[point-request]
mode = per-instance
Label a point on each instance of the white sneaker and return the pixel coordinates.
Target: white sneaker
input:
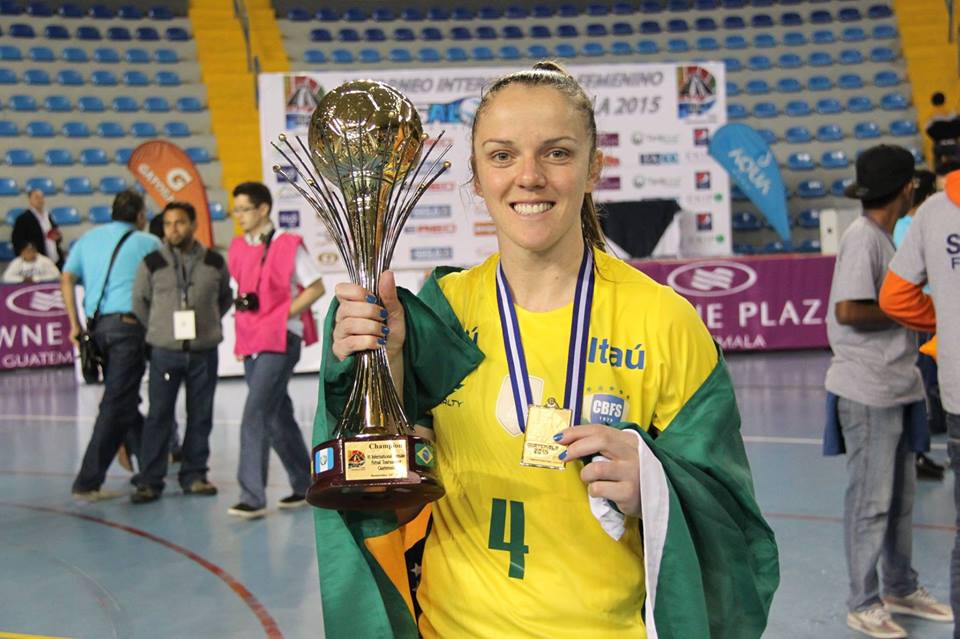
(93, 496)
(876, 622)
(920, 604)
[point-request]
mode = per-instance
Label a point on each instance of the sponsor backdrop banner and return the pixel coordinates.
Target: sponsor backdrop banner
(654, 124)
(34, 328)
(755, 303)
(167, 173)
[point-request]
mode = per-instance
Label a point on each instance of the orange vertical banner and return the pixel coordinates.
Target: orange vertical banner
(167, 173)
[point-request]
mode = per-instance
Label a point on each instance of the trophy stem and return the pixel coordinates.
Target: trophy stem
(373, 407)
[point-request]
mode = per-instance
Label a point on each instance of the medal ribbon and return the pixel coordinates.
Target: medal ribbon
(576, 352)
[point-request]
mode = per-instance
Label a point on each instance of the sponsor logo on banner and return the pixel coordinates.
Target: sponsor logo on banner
(441, 187)
(33, 301)
(287, 192)
(696, 200)
(288, 219)
(430, 211)
(481, 229)
(712, 279)
(302, 93)
(701, 180)
(701, 137)
(431, 253)
(457, 112)
(287, 174)
(34, 327)
(608, 183)
(704, 221)
(696, 91)
(641, 137)
(642, 181)
(430, 229)
(328, 258)
(695, 156)
(659, 159)
(605, 139)
(611, 161)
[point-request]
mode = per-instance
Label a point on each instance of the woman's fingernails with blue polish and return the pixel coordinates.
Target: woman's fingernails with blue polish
(386, 330)
(558, 437)
(371, 299)
(384, 313)
(563, 455)
(381, 341)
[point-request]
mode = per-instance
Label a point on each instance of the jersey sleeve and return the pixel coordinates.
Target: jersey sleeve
(858, 263)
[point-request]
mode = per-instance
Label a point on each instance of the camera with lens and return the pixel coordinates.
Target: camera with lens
(248, 302)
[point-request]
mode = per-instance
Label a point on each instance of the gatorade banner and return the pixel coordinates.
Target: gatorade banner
(751, 165)
(167, 173)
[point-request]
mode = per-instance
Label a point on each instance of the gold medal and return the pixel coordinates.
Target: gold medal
(543, 422)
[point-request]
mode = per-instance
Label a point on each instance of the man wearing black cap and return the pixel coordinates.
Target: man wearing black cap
(877, 387)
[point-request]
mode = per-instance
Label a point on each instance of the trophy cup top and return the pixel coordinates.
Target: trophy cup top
(362, 132)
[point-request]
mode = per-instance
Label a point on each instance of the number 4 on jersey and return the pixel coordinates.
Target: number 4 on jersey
(498, 540)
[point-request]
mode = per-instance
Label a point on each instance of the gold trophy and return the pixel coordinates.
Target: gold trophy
(364, 175)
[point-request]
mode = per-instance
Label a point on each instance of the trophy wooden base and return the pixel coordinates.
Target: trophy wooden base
(374, 473)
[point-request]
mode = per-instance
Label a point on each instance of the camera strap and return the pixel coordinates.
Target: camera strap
(103, 291)
(263, 259)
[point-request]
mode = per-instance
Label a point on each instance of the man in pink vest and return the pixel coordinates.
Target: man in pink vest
(277, 281)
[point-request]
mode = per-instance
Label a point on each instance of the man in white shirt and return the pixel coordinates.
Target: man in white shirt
(35, 226)
(30, 267)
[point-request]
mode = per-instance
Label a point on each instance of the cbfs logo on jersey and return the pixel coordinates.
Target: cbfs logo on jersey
(605, 408)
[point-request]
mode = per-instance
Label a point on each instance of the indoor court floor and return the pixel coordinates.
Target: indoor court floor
(181, 567)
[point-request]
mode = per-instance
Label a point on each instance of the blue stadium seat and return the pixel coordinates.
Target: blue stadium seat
(101, 12)
(88, 33)
(797, 135)
(821, 17)
(100, 214)
(597, 30)
(808, 219)
(400, 55)
(125, 104)
(167, 78)
(103, 78)
(829, 106)
(198, 154)
(879, 11)
(789, 85)
(850, 81)
(800, 162)
(797, 108)
(838, 186)
(314, 56)
(903, 128)
(94, 157)
(850, 56)
(156, 104)
(567, 31)
(538, 51)
(707, 43)
(10, 53)
(53, 32)
(147, 34)
(374, 34)
(884, 32)
(886, 78)
(110, 129)
(810, 189)
(765, 110)
(75, 55)
(619, 47)
(431, 33)
(165, 56)
(820, 59)
(757, 86)
(705, 24)
(176, 34)
(761, 21)
(9, 129)
(742, 248)
(160, 12)
(39, 10)
(791, 19)
(176, 129)
(348, 35)
(7, 76)
(326, 14)
(129, 12)
(733, 89)
(70, 11)
(122, 155)
(22, 103)
(777, 246)
(461, 33)
(428, 54)
(677, 45)
(40, 183)
(36, 77)
(733, 64)
(140, 56)
(461, 14)
(70, 78)
(512, 32)
(112, 184)
(834, 160)
(733, 22)
(457, 54)
(76, 130)
(764, 41)
(829, 133)
(58, 157)
(8, 186)
(355, 14)
(789, 61)
(564, 50)
(853, 34)
(745, 221)
(859, 104)
(40, 129)
(299, 14)
(849, 14)
(106, 55)
(706, 5)
(369, 56)
(143, 130)
(647, 47)
(43, 54)
(894, 102)
(384, 14)
(119, 34)
(20, 30)
(866, 130)
(6, 251)
(19, 157)
(57, 104)
(486, 32)
(759, 63)
(621, 29)
(735, 41)
(90, 104)
(823, 36)
(650, 27)
(65, 215)
(593, 49)
(320, 35)
(542, 11)
(404, 34)
(809, 246)
(736, 111)
(882, 54)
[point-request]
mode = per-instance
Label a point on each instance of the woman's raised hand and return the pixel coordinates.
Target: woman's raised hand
(362, 324)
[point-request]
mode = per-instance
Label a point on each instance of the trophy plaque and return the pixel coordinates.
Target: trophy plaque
(366, 167)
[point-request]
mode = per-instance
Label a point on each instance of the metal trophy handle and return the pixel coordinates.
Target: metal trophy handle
(366, 169)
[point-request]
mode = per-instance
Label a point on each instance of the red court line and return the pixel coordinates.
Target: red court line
(270, 627)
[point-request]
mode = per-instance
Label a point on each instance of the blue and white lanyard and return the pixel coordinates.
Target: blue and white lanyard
(576, 353)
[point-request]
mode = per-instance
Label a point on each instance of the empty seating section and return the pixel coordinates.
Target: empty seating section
(81, 88)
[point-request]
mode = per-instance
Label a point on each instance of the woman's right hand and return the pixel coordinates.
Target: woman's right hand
(361, 324)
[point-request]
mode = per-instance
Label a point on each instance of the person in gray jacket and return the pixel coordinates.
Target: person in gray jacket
(180, 294)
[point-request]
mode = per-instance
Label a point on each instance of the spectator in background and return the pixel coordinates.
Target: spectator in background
(930, 254)
(35, 226)
(117, 332)
(277, 281)
(180, 294)
(30, 266)
(874, 387)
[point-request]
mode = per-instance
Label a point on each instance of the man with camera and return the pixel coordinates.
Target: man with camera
(277, 282)
(104, 261)
(180, 294)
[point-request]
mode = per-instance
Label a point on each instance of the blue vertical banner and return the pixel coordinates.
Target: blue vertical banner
(748, 159)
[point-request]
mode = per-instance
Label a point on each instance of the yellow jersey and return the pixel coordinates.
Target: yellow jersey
(514, 551)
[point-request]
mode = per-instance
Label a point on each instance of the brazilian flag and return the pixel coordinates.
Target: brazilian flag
(711, 559)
